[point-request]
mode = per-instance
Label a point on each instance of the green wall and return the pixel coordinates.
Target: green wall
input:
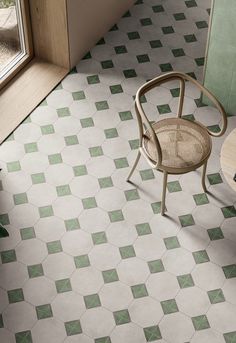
(220, 70)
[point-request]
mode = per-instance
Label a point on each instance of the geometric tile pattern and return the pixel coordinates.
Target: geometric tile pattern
(88, 257)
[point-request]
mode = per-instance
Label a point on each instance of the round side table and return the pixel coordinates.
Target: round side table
(228, 159)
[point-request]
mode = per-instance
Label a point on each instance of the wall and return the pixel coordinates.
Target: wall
(89, 20)
(220, 70)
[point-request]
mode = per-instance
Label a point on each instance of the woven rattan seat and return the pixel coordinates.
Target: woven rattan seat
(184, 144)
(174, 145)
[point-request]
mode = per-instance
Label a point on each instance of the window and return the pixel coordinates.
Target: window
(15, 43)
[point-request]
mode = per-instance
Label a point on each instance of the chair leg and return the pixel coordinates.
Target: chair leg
(134, 166)
(204, 177)
(163, 201)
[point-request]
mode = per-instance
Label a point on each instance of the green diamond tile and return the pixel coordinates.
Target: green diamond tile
(13, 166)
(167, 30)
(178, 52)
(200, 199)
(15, 295)
(115, 89)
(121, 49)
(54, 247)
(86, 122)
(101, 42)
(63, 190)
(121, 317)
(230, 271)
(96, 151)
(80, 170)
(179, 16)
(111, 133)
(47, 129)
(44, 311)
(72, 224)
(216, 296)
(147, 174)
(143, 229)
(127, 14)
(131, 194)
(190, 3)
(229, 211)
(214, 179)
(71, 140)
(185, 280)
(134, 144)
(190, 38)
(110, 275)
(171, 242)
(215, 233)
(213, 128)
(101, 105)
(125, 115)
(35, 270)
(201, 256)
(127, 251)
(73, 71)
(143, 58)
(92, 301)
(156, 266)
(78, 95)
(186, 220)
(10, 137)
(230, 337)
(73, 328)
(99, 237)
(155, 44)
(158, 8)
(169, 306)
(8, 256)
(156, 207)
(89, 203)
(4, 219)
(200, 61)
(38, 178)
(27, 233)
(174, 186)
(121, 162)
(202, 24)
(63, 285)
(116, 216)
(163, 109)
(133, 35)
(128, 73)
(58, 87)
(152, 333)
(189, 117)
(82, 261)
(43, 103)
(103, 340)
(46, 211)
(63, 112)
(200, 322)
(199, 103)
(139, 291)
(87, 56)
(55, 159)
(92, 79)
(1, 322)
(107, 64)
(105, 182)
(31, 147)
(23, 337)
(146, 21)
(175, 92)
(20, 198)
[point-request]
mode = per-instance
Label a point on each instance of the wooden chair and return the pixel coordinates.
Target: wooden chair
(175, 145)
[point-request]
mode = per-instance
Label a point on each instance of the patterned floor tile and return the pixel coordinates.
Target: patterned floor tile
(109, 268)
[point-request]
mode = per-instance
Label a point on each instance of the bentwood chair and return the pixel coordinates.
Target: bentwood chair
(175, 145)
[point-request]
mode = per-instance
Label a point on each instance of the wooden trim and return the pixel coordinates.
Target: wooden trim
(29, 87)
(28, 44)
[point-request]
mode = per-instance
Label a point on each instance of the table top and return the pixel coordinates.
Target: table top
(228, 159)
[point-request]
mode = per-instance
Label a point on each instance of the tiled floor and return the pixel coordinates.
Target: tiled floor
(89, 258)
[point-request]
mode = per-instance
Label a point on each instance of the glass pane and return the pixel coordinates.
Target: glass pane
(12, 47)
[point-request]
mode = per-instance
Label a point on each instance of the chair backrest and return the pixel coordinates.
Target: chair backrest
(143, 121)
